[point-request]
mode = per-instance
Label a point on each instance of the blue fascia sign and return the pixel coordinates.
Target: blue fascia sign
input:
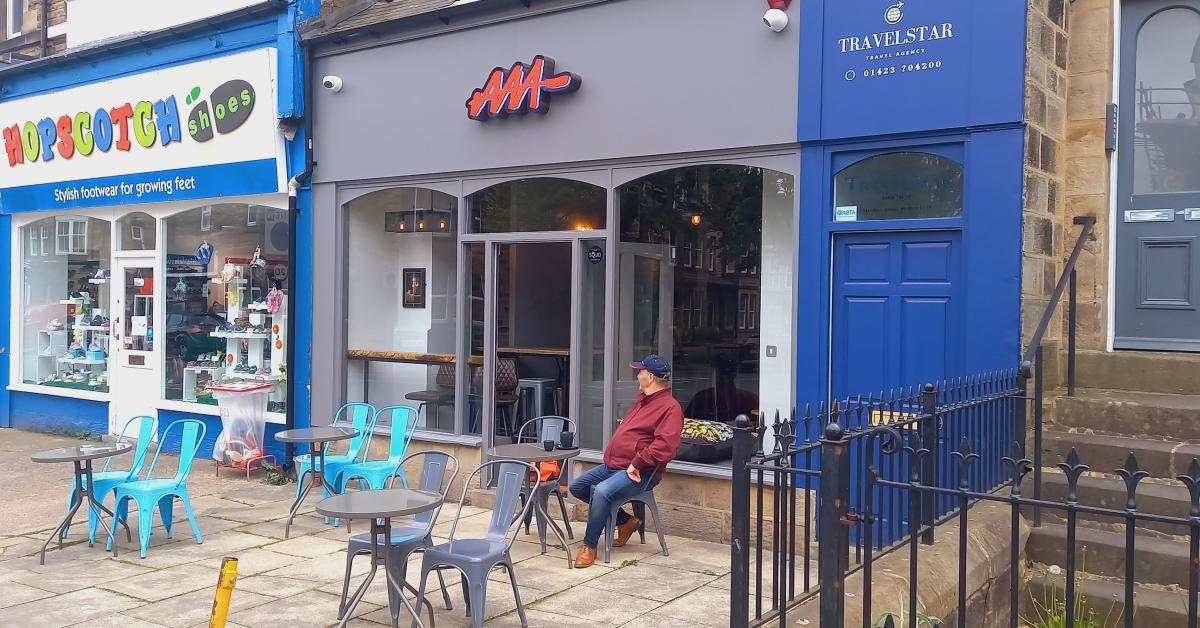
(899, 66)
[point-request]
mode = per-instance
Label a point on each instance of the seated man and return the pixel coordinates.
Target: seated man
(635, 458)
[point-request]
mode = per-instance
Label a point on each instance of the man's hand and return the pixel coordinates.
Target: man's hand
(634, 474)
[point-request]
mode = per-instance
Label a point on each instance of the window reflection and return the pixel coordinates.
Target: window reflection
(1167, 83)
(538, 204)
(896, 186)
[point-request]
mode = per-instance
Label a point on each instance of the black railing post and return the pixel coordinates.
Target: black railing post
(833, 526)
(1039, 367)
(1071, 336)
(739, 545)
(929, 436)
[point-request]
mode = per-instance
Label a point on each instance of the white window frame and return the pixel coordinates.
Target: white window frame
(13, 9)
(71, 224)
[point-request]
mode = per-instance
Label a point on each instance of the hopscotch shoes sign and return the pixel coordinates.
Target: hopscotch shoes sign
(200, 130)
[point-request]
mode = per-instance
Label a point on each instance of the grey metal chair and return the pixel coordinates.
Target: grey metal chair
(640, 503)
(407, 539)
(475, 558)
(546, 428)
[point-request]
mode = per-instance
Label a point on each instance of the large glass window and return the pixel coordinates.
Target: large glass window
(691, 243)
(136, 231)
(402, 301)
(64, 299)
(1166, 150)
(538, 204)
(226, 296)
(897, 186)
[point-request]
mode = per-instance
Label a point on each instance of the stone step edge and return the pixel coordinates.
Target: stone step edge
(1164, 605)
(1160, 551)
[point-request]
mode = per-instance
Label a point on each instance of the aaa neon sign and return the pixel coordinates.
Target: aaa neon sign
(520, 89)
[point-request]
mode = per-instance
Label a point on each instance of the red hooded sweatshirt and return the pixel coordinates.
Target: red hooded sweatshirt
(648, 436)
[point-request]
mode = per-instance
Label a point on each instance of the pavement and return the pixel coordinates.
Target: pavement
(297, 581)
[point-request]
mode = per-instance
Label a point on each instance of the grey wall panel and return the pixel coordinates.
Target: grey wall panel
(329, 306)
(659, 76)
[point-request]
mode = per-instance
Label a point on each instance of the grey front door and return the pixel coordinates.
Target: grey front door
(1158, 178)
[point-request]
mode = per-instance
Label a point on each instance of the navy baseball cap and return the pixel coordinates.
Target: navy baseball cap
(657, 366)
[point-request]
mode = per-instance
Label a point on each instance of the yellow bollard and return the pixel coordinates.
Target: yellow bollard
(225, 581)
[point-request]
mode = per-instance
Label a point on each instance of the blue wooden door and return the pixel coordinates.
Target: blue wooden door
(897, 310)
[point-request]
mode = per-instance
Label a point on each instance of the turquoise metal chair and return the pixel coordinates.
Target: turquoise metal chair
(374, 473)
(163, 491)
(359, 415)
(106, 479)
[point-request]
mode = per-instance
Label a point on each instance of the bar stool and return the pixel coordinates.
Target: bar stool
(537, 387)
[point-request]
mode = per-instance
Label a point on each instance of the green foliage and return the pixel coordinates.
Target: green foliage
(1051, 610)
(628, 563)
(901, 617)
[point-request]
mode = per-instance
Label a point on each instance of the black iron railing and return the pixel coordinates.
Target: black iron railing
(785, 474)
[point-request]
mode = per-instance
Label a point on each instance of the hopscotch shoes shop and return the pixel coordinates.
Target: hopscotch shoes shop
(149, 244)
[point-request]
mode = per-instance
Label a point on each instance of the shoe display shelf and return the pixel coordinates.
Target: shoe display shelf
(265, 351)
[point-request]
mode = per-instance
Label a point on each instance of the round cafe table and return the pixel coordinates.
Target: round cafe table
(379, 507)
(82, 456)
(316, 437)
(535, 453)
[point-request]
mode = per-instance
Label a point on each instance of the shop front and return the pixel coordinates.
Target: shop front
(515, 209)
(150, 246)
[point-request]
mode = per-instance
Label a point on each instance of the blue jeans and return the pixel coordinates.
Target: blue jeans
(601, 488)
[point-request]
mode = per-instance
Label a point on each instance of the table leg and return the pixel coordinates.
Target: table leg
(352, 603)
(79, 497)
(395, 588)
(312, 456)
(97, 508)
(541, 513)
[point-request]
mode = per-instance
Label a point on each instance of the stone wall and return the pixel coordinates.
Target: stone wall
(58, 15)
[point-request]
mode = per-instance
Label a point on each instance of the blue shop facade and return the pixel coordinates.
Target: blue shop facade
(912, 151)
(154, 227)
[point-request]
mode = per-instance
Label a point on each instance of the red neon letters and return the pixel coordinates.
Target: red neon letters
(519, 90)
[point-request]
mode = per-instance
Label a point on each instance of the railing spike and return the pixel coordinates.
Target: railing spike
(1191, 479)
(1073, 470)
(1132, 475)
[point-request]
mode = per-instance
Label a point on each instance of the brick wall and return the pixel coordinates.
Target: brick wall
(57, 15)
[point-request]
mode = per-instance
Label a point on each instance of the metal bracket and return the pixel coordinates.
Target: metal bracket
(1110, 127)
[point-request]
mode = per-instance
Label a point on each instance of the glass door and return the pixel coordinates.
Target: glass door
(135, 365)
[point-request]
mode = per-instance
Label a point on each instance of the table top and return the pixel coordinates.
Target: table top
(395, 502)
(82, 452)
(316, 434)
(531, 452)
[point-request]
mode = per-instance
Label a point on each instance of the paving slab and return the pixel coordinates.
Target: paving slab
(75, 607)
(549, 573)
(306, 546)
(13, 593)
(500, 601)
(164, 583)
(604, 608)
(654, 582)
(195, 607)
(313, 608)
(252, 561)
(696, 608)
(74, 577)
(688, 555)
(120, 620)
(275, 586)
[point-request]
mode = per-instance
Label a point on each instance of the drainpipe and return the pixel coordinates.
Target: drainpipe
(293, 214)
(43, 28)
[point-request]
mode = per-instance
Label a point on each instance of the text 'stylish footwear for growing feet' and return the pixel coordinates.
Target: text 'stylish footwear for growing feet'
(626, 530)
(586, 557)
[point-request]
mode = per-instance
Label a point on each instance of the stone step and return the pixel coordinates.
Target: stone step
(1156, 415)
(1106, 452)
(1139, 371)
(1167, 499)
(1153, 606)
(1100, 552)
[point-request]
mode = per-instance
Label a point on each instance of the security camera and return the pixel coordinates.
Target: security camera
(775, 19)
(334, 83)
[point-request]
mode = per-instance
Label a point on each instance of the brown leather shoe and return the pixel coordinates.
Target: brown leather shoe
(586, 557)
(626, 530)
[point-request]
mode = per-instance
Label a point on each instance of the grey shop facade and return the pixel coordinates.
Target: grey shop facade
(513, 207)
(514, 200)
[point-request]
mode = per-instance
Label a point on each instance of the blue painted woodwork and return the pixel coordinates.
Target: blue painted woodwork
(53, 413)
(897, 309)
(877, 67)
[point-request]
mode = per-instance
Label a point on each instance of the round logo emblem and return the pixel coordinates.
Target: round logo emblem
(894, 13)
(595, 255)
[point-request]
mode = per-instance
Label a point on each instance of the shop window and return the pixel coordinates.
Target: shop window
(226, 300)
(402, 300)
(136, 232)
(707, 323)
(898, 186)
(64, 303)
(1166, 157)
(538, 204)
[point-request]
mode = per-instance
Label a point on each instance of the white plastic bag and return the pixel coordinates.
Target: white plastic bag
(243, 422)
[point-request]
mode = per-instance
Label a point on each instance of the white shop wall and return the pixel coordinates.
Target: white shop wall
(777, 291)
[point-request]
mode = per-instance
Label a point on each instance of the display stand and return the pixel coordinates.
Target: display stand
(243, 425)
(54, 359)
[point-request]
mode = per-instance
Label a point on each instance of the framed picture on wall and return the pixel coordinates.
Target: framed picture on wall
(414, 287)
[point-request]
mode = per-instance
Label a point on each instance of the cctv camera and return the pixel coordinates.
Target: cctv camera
(334, 83)
(775, 20)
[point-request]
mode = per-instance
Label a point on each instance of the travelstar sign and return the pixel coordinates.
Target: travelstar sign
(192, 131)
(520, 89)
